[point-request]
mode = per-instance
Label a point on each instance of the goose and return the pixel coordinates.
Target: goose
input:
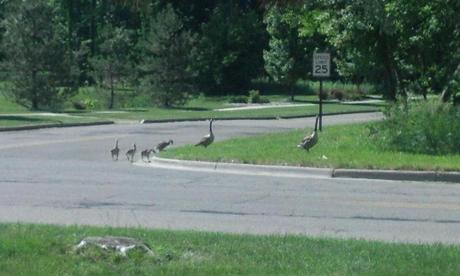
(162, 145)
(207, 139)
(146, 154)
(310, 140)
(130, 153)
(115, 151)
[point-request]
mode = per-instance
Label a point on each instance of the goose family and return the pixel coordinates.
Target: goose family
(307, 143)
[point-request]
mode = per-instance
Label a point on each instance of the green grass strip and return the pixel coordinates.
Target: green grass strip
(196, 113)
(48, 250)
(345, 146)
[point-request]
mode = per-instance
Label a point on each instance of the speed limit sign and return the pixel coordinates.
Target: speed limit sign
(321, 65)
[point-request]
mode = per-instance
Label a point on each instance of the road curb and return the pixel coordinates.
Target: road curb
(290, 171)
(33, 127)
(237, 168)
(432, 176)
(148, 121)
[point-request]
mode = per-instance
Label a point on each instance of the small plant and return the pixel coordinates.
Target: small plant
(238, 99)
(254, 97)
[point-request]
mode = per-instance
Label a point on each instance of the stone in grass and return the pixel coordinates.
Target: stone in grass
(121, 244)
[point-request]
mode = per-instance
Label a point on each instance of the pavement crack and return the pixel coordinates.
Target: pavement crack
(292, 215)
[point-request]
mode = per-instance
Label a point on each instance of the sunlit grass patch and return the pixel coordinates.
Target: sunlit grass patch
(48, 250)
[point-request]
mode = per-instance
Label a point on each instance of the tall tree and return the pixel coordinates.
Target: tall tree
(165, 68)
(229, 52)
(285, 58)
(112, 66)
(38, 59)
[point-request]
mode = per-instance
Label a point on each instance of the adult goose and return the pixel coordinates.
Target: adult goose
(207, 139)
(310, 140)
(162, 145)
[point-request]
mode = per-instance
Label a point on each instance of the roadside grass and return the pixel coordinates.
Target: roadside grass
(48, 250)
(344, 146)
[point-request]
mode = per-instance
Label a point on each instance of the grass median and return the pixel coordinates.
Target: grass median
(48, 250)
(344, 146)
(199, 113)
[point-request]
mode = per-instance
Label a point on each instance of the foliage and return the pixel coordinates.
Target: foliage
(285, 57)
(166, 66)
(405, 46)
(229, 51)
(238, 99)
(112, 66)
(254, 97)
(426, 127)
(38, 61)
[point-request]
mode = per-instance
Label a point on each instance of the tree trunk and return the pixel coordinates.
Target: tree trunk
(112, 93)
(390, 74)
(447, 91)
(93, 27)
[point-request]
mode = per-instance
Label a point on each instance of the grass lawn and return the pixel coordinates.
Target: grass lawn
(47, 250)
(345, 146)
(196, 108)
(197, 113)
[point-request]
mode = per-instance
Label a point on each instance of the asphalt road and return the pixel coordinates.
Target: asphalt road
(66, 176)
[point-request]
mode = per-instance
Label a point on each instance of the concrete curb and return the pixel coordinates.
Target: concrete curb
(147, 121)
(32, 127)
(433, 176)
(236, 168)
(302, 172)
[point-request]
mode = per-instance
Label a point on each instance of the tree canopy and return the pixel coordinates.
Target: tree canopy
(402, 47)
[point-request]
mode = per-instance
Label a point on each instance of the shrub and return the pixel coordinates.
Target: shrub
(79, 105)
(254, 97)
(337, 94)
(238, 99)
(427, 127)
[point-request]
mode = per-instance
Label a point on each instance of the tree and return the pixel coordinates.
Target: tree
(285, 58)
(165, 69)
(229, 51)
(38, 60)
(112, 66)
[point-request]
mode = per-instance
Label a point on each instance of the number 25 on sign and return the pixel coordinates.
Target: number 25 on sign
(321, 65)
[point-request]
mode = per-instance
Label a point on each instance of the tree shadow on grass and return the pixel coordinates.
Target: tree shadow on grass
(189, 108)
(22, 118)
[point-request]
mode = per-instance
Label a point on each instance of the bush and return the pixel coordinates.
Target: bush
(427, 127)
(254, 97)
(79, 105)
(238, 99)
(337, 94)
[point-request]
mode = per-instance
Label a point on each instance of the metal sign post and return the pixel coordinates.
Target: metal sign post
(321, 69)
